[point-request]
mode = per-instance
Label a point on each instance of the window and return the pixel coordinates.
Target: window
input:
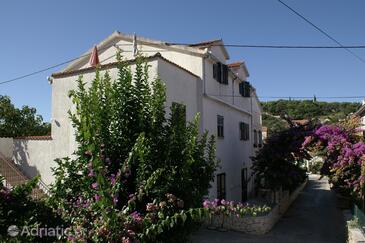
(221, 186)
(245, 89)
(254, 138)
(260, 138)
(179, 110)
(220, 126)
(220, 72)
(244, 131)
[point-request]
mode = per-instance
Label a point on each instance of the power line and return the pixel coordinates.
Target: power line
(226, 45)
(311, 97)
(293, 97)
(322, 31)
(292, 47)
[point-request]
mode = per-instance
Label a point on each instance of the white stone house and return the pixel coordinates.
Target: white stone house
(197, 76)
(360, 113)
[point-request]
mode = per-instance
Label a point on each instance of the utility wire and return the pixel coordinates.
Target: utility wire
(291, 47)
(322, 31)
(293, 97)
(226, 45)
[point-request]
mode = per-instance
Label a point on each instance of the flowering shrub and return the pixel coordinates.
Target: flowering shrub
(19, 209)
(136, 175)
(279, 163)
(343, 151)
(217, 206)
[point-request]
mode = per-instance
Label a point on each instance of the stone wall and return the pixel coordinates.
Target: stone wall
(354, 232)
(258, 225)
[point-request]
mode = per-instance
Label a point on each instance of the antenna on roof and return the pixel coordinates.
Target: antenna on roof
(135, 50)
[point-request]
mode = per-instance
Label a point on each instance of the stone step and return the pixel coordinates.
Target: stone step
(14, 176)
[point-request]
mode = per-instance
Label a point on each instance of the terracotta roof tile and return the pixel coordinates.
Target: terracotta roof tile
(234, 64)
(35, 138)
(301, 122)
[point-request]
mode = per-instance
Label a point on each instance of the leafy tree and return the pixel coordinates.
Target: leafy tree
(274, 124)
(15, 122)
(137, 173)
(308, 109)
(278, 164)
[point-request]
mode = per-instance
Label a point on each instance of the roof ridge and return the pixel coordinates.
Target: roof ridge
(113, 64)
(205, 43)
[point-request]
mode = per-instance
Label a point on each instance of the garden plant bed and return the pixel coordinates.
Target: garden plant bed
(256, 225)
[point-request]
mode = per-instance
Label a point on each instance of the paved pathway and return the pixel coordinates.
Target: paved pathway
(312, 218)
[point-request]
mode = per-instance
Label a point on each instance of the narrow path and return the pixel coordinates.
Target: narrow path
(312, 218)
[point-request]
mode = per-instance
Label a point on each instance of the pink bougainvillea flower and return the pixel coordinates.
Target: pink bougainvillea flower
(136, 217)
(91, 173)
(126, 240)
(97, 197)
(94, 186)
(151, 207)
(207, 204)
(113, 180)
(115, 200)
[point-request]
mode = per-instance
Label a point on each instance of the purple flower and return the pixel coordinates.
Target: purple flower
(94, 186)
(97, 197)
(207, 204)
(113, 181)
(115, 200)
(136, 217)
(91, 173)
(151, 207)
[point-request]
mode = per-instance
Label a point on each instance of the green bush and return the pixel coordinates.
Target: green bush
(19, 209)
(137, 175)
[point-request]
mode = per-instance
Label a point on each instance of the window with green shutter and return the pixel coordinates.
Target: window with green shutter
(220, 72)
(245, 89)
(244, 131)
(221, 186)
(220, 126)
(254, 138)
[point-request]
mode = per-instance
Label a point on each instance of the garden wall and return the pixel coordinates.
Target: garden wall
(258, 225)
(34, 158)
(354, 231)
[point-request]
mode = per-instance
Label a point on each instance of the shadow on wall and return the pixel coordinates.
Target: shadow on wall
(21, 158)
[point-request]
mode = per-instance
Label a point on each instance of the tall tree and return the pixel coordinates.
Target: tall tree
(15, 122)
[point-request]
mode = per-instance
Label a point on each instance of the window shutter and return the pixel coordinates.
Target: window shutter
(255, 138)
(247, 131)
(247, 89)
(215, 71)
(241, 88)
(219, 72)
(224, 74)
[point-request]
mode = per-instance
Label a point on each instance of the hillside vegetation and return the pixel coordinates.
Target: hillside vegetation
(304, 109)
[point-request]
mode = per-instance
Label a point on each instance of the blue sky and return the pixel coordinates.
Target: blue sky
(38, 34)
